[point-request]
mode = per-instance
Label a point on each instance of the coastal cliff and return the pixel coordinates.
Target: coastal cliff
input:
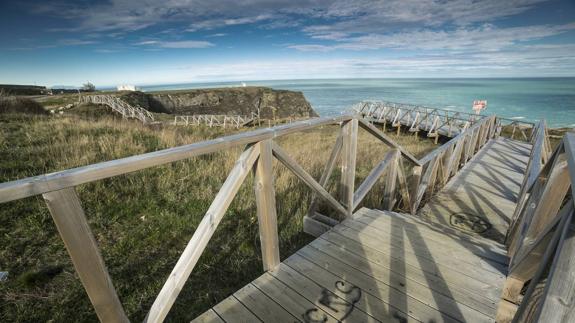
(226, 101)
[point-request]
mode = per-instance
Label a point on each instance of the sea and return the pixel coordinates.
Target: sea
(525, 99)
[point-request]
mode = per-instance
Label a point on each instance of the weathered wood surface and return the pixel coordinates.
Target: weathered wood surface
(481, 198)
(377, 266)
(68, 214)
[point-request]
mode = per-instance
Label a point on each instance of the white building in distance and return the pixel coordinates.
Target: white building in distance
(127, 87)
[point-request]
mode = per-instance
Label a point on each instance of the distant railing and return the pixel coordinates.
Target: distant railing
(212, 120)
(124, 108)
(516, 129)
(58, 190)
(541, 237)
(434, 121)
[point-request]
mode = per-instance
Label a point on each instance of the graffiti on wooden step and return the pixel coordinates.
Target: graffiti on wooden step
(335, 303)
(469, 222)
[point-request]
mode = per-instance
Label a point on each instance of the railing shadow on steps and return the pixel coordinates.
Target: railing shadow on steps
(58, 190)
(541, 239)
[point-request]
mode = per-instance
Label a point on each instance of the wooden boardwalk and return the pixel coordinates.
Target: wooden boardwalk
(381, 266)
(377, 266)
(481, 198)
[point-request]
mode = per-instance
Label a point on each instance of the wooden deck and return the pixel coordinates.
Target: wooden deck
(390, 267)
(481, 198)
(376, 266)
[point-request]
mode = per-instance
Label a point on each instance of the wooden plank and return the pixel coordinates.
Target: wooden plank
(262, 306)
(266, 206)
(433, 228)
(369, 285)
(210, 316)
(403, 184)
(201, 237)
(314, 227)
(525, 204)
(232, 311)
(428, 248)
(538, 281)
(348, 161)
(430, 190)
(527, 259)
(453, 164)
(326, 296)
(372, 178)
(68, 215)
(445, 160)
(388, 141)
(384, 223)
(557, 302)
(414, 187)
(55, 181)
(413, 281)
(540, 209)
(389, 192)
(350, 264)
(291, 301)
(426, 180)
(555, 191)
(420, 270)
(480, 270)
(295, 168)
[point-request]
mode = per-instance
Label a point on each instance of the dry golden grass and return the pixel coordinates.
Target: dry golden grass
(143, 220)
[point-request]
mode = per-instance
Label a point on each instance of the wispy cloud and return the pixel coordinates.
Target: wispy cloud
(34, 44)
(483, 38)
(344, 16)
(176, 44)
(217, 35)
(208, 24)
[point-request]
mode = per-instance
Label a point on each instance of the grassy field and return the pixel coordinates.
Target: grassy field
(143, 220)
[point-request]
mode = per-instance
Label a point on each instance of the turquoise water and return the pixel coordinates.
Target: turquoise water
(527, 99)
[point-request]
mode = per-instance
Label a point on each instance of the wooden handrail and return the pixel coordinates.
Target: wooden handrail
(542, 236)
(36, 185)
(456, 151)
(532, 173)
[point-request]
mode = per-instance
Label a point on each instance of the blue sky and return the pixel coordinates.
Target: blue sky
(175, 41)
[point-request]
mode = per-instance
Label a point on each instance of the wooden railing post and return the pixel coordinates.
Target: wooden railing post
(390, 180)
(349, 150)
(266, 206)
(67, 212)
(414, 184)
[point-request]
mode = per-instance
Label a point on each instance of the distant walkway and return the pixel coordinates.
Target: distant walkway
(122, 107)
(481, 198)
